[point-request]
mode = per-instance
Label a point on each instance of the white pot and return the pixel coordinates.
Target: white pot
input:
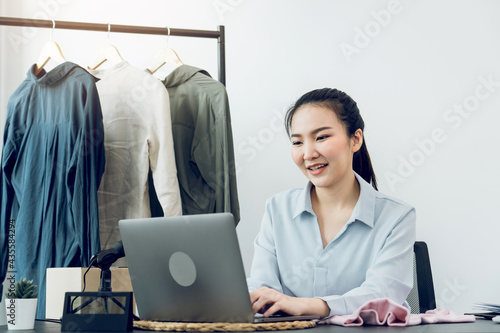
(21, 313)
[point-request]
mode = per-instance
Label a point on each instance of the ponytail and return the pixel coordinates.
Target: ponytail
(347, 112)
(362, 165)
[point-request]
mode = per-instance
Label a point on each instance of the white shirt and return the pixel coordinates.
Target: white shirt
(371, 257)
(137, 136)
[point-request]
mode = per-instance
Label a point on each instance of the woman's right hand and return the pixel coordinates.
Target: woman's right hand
(269, 301)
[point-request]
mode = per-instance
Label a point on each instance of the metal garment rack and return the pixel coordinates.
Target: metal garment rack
(131, 29)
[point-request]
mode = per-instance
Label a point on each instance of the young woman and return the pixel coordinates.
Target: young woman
(328, 248)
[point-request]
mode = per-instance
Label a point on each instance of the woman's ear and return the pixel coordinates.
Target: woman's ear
(357, 140)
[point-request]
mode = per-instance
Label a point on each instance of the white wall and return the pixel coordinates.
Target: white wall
(410, 65)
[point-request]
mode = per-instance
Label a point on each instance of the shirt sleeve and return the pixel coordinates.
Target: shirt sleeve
(7, 210)
(265, 271)
(161, 152)
(390, 276)
(229, 202)
(84, 175)
(214, 153)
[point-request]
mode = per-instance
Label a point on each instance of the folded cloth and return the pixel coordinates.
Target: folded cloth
(383, 311)
(440, 316)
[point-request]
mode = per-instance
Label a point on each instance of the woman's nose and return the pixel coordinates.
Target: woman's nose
(310, 151)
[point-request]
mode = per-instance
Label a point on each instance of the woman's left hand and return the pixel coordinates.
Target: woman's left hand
(269, 301)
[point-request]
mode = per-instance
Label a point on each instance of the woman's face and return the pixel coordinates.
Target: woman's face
(320, 145)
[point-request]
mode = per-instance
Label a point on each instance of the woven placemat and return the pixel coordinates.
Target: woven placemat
(221, 327)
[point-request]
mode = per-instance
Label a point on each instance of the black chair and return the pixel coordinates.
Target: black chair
(421, 297)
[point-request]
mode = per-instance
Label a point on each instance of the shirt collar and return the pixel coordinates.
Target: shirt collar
(364, 211)
(111, 70)
(304, 201)
(181, 74)
(54, 75)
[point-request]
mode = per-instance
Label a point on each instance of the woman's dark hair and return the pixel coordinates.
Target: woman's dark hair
(347, 112)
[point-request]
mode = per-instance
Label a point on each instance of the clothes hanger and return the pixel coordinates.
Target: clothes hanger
(107, 52)
(51, 50)
(165, 56)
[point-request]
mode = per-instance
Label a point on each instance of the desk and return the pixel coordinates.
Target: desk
(480, 326)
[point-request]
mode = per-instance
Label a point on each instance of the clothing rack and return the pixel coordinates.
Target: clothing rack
(131, 29)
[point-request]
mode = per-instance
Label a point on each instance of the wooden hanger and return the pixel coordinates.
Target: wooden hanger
(51, 50)
(107, 52)
(165, 56)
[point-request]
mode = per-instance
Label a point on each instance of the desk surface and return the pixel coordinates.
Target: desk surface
(480, 326)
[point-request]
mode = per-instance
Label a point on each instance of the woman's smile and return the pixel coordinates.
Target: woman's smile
(316, 169)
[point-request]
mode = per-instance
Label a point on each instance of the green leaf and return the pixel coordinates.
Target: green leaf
(29, 289)
(24, 288)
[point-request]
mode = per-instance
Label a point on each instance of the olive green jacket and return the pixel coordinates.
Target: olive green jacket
(203, 142)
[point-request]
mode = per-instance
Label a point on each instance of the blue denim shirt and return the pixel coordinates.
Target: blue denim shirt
(52, 163)
(371, 257)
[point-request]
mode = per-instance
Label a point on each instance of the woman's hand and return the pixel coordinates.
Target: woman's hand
(269, 301)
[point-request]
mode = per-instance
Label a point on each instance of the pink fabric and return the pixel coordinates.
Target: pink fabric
(383, 311)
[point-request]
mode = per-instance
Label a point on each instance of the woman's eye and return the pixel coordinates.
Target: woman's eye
(322, 137)
(296, 143)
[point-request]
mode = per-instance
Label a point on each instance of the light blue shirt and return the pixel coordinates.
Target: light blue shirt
(371, 257)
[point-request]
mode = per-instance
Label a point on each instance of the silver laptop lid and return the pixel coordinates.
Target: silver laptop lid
(187, 268)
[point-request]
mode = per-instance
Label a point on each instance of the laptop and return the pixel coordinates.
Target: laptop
(189, 269)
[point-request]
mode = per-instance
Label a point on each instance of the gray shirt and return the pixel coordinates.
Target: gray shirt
(203, 142)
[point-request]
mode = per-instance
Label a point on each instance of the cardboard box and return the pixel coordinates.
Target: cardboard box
(61, 280)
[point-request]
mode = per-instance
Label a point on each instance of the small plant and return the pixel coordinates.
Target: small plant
(24, 289)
